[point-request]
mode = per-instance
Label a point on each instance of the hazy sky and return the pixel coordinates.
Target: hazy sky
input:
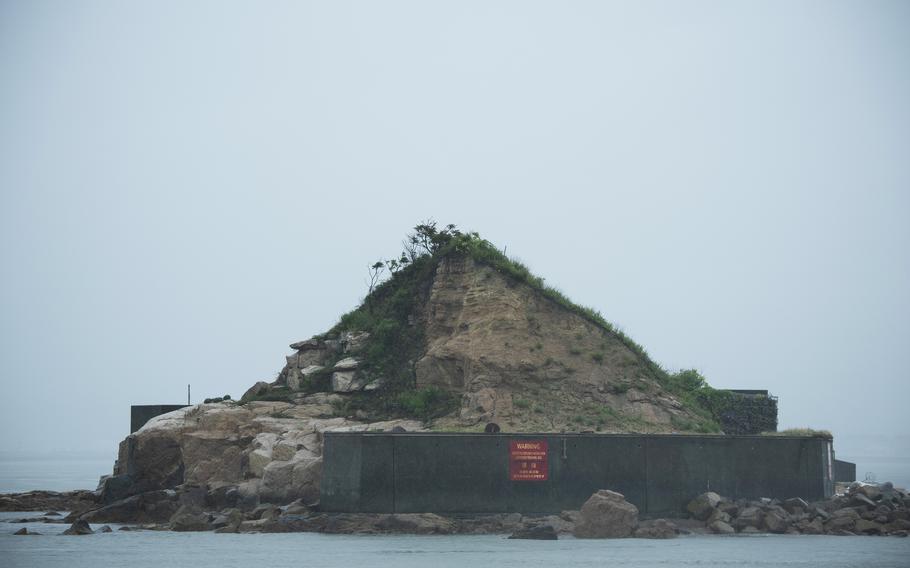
(187, 187)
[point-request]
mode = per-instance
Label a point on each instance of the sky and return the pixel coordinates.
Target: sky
(188, 187)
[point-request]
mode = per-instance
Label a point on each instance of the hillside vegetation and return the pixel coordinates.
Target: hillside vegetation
(395, 315)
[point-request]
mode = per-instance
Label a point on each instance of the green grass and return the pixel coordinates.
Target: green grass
(802, 432)
(522, 403)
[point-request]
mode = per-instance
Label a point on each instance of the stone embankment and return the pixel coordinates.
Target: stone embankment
(863, 510)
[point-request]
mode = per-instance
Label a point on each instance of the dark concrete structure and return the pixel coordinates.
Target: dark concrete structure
(142, 413)
(844, 471)
(469, 473)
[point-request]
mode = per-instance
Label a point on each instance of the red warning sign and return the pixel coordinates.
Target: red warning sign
(528, 460)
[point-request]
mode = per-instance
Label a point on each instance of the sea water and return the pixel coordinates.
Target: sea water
(157, 549)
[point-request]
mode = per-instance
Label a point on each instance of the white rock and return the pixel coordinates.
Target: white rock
(346, 364)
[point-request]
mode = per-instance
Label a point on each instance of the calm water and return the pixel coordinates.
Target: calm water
(200, 550)
(55, 471)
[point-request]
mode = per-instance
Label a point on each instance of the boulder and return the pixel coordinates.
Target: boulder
(811, 527)
(606, 514)
(776, 521)
(660, 528)
(535, 532)
(860, 500)
(228, 518)
(720, 527)
(22, 531)
(80, 527)
(795, 506)
(702, 506)
(748, 517)
(719, 515)
(189, 519)
(259, 389)
(867, 527)
(346, 364)
(105, 529)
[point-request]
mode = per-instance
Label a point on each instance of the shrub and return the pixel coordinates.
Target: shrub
(426, 403)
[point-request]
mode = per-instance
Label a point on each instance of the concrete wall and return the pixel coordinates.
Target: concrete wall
(844, 471)
(469, 473)
(142, 413)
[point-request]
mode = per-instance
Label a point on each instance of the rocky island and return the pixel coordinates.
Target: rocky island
(452, 336)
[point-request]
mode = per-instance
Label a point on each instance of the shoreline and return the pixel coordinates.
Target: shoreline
(863, 510)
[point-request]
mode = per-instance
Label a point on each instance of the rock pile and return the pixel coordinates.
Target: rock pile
(863, 510)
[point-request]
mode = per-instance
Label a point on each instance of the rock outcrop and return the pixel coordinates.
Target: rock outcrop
(887, 512)
(237, 455)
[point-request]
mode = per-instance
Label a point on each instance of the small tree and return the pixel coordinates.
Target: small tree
(375, 271)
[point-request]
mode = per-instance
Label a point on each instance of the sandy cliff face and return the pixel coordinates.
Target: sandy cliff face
(520, 359)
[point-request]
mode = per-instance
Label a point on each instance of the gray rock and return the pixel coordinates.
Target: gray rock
(606, 514)
(536, 532)
(776, 522)
(795, 506)
(867, 527)
(80, 527)
(346, 364)
(720, 527)
(843, 523)
(105, 529)
(345, 381)
(227, 518)
(702, 506)
(749, 517)
(719, 515)
(188, 519)
(307, 345)
(21, 531)
(660, 528)
(860, 500)
(259, 389)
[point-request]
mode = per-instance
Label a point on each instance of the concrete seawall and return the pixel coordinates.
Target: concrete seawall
(476, 473)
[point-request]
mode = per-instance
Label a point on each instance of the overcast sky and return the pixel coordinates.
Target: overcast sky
(187, 187)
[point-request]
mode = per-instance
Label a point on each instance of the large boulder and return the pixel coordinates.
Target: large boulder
(721, 527)
(189, 519)
(776, 521)
(749, 518)
(606, 514)
(702, 506)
